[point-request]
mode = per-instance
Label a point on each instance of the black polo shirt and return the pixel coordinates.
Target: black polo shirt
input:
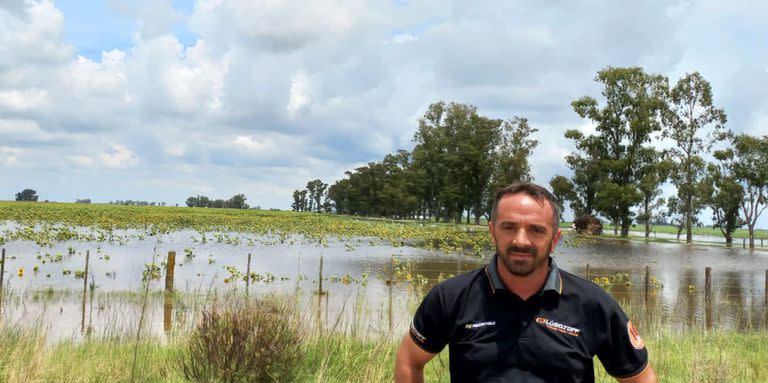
(494, 336)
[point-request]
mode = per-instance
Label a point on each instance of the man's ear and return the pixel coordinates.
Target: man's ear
(555, 239)
(492, 230)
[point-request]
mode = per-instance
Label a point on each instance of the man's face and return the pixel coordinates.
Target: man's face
(523, 233)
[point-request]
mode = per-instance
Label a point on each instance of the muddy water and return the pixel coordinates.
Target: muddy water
(369, 287)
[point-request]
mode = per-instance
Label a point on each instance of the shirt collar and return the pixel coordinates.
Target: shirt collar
(553, 283)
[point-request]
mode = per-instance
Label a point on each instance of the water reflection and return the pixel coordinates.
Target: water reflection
(366, 288)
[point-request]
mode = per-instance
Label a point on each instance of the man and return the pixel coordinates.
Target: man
(520, 318)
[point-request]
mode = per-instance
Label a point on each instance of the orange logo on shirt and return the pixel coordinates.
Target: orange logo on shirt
(634, 336)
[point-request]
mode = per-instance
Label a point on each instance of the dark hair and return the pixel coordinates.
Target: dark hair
(538, 193)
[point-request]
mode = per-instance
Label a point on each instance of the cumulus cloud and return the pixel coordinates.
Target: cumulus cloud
(269, 94)
(9, 155)
(298, 97)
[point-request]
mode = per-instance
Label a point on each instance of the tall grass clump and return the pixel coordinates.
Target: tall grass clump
(257, 341)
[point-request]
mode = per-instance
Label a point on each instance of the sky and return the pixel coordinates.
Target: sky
(160, 100)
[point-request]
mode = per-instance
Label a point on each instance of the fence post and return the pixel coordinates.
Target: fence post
(320, 278)
(2, 274)
(647, 281)
(766, 287)
(708, 297)
(85, 290)
(248, 275)
(170, 267)
(586, 273)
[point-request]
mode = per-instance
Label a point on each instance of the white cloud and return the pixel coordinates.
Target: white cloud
(287, 90)
(118, 156)
(298, 96)
(24, 99)
(9, 155)
(81, 160)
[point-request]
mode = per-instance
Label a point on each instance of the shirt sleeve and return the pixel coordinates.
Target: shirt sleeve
(623, 351)
(430, 328)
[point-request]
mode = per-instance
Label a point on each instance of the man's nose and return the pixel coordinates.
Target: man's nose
(521, 238)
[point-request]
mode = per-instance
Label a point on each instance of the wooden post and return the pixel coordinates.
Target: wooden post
(248, 274)
(170, 267)
(708, 297)
(707, 283)
(766, 285)
(647, 281)
(743, 243)
(85, 290)
(320, 278)
(389, 287)
(2, 274)
(586, 273)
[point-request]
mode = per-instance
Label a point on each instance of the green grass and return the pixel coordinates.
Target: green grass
(696, 356)
(705, 231)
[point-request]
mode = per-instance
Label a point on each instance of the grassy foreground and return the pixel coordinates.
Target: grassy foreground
(692, 357)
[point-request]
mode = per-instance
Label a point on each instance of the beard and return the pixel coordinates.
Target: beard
(523, 267)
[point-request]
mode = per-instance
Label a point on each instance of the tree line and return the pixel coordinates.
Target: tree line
(646, 133)
(236, 202)
(618, 170)
(460, 157)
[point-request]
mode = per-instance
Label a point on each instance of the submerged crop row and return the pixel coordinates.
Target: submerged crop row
(46, 223)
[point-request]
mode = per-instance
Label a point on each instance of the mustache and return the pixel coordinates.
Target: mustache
(515, 249)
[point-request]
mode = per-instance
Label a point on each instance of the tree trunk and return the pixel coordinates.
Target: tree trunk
(625, 228)
(647, 228)
(688, 229)
(751, 237)
(728, 239)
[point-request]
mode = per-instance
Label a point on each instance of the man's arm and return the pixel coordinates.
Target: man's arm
(410, 361)
(647, 376)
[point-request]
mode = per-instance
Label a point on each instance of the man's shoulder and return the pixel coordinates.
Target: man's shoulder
(462, 282)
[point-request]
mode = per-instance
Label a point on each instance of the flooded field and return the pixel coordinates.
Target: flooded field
(367, 286)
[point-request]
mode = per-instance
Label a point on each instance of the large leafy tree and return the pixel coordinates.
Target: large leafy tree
(693, 123)
(26, 195)
(624, 127)
(653, 174)
(237, 202)
(454, 156)
(428, 155)
(746, 161)
(581, 190)
(338, 193)
(723, 194)
(510, 157)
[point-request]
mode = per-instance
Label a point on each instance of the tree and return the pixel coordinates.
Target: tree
(26, 195)
(562, 189)
(427, 157)
(694, 124)
(510, 157)
(299, 200)
(237, 202)
(338, 193)
(722, 193)
(747, 161)
(624, 125)
(477, 158)
(653, 174)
